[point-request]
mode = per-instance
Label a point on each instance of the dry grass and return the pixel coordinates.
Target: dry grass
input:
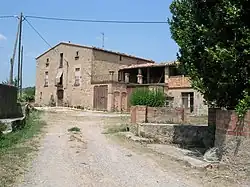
(16, 150)
(115, 128)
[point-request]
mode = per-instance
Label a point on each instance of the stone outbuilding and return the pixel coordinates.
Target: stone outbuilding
(164, 76)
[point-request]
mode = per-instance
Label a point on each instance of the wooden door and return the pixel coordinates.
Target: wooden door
(101, 97)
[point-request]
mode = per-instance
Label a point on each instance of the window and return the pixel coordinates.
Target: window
(77, 55)
(47, 63)
(120, 57)
(61, 60)
(77, 77)
(41, 95)
(46, 79)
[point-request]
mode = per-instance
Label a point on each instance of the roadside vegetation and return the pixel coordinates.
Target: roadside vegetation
(17, 147)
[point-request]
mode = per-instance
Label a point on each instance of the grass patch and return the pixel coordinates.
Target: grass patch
(16, 148)
(116, 128)
(74, 129)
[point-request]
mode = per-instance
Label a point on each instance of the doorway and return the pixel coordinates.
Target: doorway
(188, 101)
(60, 94)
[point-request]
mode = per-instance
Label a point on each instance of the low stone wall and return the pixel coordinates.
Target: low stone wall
(232, 136)
(8, 102)
(187, 136)
(140, 114)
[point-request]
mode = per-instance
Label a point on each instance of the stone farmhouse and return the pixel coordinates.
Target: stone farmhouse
(98, 79)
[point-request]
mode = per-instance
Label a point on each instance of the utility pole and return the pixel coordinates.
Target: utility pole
(12, 60)
(19, 50)
(21, 73)
(103, 40)
(11, 71)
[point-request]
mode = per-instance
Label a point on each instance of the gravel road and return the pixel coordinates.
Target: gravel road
(88, 158)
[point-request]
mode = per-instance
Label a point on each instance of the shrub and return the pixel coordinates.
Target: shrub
(151, 98)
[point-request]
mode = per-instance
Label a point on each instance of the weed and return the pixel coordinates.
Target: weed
(74, 129)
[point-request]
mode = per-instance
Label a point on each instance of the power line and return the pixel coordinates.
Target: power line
(37, 32)
(2, 17)
(96, 21)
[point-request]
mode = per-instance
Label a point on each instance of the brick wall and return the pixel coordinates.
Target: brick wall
(232, 136)
(179, 82)
(140, 114)
(8, 102)
(212, 116)
(227, 122)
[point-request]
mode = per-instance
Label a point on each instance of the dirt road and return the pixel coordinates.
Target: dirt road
(90, 159)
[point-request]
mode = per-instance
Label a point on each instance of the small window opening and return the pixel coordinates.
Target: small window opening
(61, 60)
(77, 77)
(46, 79)
(77, 55)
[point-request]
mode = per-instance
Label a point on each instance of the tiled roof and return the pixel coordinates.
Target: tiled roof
(96, 48)
(134, 66)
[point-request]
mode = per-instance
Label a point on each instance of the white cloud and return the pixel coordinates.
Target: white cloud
(2, 37)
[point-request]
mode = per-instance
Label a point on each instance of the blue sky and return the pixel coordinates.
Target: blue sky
(147, 40)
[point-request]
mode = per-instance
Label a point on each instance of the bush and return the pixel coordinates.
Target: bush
(147, 98)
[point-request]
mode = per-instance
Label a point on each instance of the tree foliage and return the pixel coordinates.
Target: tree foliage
(214, 41)
(15, 82)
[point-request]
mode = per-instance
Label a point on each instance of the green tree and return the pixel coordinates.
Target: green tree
(29, 94)
(214, 41)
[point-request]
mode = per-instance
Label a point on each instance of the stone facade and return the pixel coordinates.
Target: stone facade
(93, 66)
(232, 136)
(8, 102)
(199, 108)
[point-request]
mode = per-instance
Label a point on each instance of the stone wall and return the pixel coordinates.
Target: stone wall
(232, 136)
(140, 114)
(8, 102)
(187, 136)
